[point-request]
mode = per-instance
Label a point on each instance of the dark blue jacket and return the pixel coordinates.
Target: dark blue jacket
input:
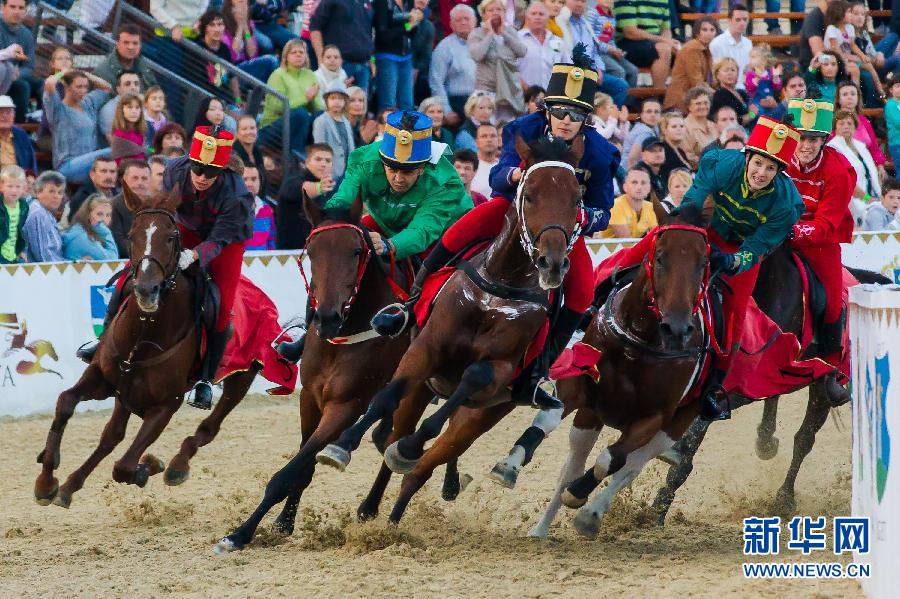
(595, 172)
(24, 150)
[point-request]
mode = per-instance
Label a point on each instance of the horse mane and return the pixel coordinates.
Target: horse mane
(549, 149)
(690, 214)
(340, 215)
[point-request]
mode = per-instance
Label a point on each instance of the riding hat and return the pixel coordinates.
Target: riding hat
(774, 140)
(406, 144)
(573, 84)
(812, 117)
(211, 146)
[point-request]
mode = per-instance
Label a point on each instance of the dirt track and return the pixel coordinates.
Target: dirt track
(125, 541)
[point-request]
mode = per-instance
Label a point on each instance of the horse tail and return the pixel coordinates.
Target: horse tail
(868, 276)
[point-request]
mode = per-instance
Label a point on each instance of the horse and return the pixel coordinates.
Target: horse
(344, 361)
(145, 360)
(482, 322)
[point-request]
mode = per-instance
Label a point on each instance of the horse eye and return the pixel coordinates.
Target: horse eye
(357, 252)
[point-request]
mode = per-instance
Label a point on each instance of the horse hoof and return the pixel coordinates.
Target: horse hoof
(154, 464)
(46, 498)
(334, 456)
(766, 450)
(569, 500)
(173, 478)
(63, 500)
(671, 456)
(226, 545)
(364, 514)
(504, 475)
(538, 532)
(396, 462)
(587, 524)
(282, 529)
(784, 504)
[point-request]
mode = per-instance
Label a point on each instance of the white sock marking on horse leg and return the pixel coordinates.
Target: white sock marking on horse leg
(145, 264)
(601, 468)
(581, 442)
(547, 421)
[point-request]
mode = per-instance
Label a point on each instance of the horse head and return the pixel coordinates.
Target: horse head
(338, 250)
(155, 245)
(677, 271)
(548, 204)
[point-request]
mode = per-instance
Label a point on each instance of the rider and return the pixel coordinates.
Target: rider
(410, 188)
(215, 217)
(825, 180)
(568, 104)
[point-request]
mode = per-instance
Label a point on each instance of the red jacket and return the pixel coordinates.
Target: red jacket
(826, 187)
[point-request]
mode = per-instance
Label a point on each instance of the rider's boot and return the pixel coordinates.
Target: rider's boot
(713, 392)
(392, 320)
(292, 350)
(86, 352)
(215, 348)
(528, 388)
(830, 339)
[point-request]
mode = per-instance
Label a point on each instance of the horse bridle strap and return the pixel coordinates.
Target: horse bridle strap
(501, 290)
(648, 266)
(528, 242)
(170, 275)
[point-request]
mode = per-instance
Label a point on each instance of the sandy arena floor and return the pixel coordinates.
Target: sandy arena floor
(120, 541)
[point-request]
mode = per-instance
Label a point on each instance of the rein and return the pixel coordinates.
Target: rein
(652, 304)
(528, 242)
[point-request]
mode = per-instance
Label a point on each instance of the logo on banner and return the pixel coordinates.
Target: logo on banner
(100, 295)
(876, 400)
(25, 356)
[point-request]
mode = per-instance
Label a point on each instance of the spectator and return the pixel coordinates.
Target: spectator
(727, 94)
(422, 44)
(645, 36)
(395, 26)
(680, 180)
(772, 6)
(558, 12)
(13, 32)
(693, 64)
(867, 184)
(13, 214)
(295, 80)
(170, 135)
(794, 87)
(653, 156)
(136, 175)
(543, 49)
(488, 142)
(433, 108)
(840, 38)
(15, 144)
(330, 69)
(317, 183)
(699, 130)
(609, 120)
(613, 57)
(859, 13)
(264, 217)
(883, 215)
(466, 163)
(270, 35)
(733, 43)
(333, 129)
(732, 137)
(127, 82)
(89, 236)
(762, 81)
(211, 111)
(825, 71)
(73, 122)
(41, 233)
(892, 116)
(129, 129)
(93, 13)
(101, 179)
(246, 148)
(452, 74)
(346, 24)
(496, 49)
(632, 214)
(157, 166)
(479, 109)
(646, 126)
(849, 99)
(672, 127)
(243, 45)
(154, 111)
(211, 36)
(308, 9)
(812, 34)
(126, 57)
(534, 98)
(177, 16)
(382, 122)
(364, 128)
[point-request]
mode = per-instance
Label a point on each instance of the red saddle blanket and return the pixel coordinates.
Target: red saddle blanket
(256, 329)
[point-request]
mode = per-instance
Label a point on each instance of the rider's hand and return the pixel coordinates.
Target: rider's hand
(515, 175)
(186, 258)
(722, 262)
(377, 242)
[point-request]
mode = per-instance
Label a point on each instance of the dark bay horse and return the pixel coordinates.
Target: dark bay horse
(145, 360)
(478, 333)
(340, 374)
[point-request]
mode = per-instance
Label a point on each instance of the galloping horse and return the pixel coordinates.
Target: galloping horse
(145, 360)
(344, 360)
(482, 322)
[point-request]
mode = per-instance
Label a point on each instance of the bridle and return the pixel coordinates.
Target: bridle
(528, 242)
(170, 271)
(652, 303)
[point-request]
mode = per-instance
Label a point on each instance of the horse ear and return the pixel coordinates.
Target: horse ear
(522, 149)
(311, 209)
(662, 216)
(576, 151)
(171, 201)
(132, 201)
(709, 207)
(356, 208)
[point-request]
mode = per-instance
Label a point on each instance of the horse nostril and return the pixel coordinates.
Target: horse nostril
(565, 264)
(543, 262)
(666, 328)
(688, 330)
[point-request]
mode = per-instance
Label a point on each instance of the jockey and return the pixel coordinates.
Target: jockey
(568, 104)
(215, 218)
(825, 180)
(409, 187)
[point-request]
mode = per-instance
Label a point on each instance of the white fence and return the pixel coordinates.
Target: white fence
(48, 310)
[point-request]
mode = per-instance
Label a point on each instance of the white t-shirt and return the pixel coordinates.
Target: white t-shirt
(844, 37)
(480, 182)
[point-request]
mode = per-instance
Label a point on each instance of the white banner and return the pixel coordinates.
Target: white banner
(48, 310)
(875, 339)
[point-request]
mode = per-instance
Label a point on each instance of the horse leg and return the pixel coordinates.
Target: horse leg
(112, 435)
(506, 472)
(466, 425)
(128, 469)
(453, 486)
(816, 414)
(766, 441)
(235, 388)
(687, 448)
(91, 385)
(298, 470)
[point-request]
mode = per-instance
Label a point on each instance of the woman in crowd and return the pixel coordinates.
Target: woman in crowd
(496, 49)
(559, 12)
(60, 62)
(211, 111)
(680, 180)
(170, 135)
(246, 148)
(433, 107)
(868, 186)
(693, 64)
(242, 43)
(849, 99)
(699, 130)
(725, 79)
(364, 128)
(480, 108)
(825, 71)
(89, 236)
(672, 128)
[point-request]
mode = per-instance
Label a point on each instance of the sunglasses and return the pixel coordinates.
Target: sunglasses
(558, 112)
(207, 170)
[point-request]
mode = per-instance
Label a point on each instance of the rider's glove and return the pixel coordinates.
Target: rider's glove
(725, 263)
(185, 259)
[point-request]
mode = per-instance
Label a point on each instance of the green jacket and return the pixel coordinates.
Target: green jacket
(414, 220)
(759, 220)
(293, 83)
(4, 224)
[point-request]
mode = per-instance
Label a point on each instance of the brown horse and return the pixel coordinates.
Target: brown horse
(482, 323)
(339, 376)
(145, 360)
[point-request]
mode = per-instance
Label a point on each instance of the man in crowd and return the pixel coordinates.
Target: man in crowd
(544, 48)
(136, 175)
(487, 140)
(452, 74)
(41, 231)
(466, 163)
(646, 126)
(632, 214)
(645, 36)
(812, 34)
(127, 82)
(101, 179)
(348, 25)
(16, 146)
(126, 57)
(157, 169)
(732, 43)
(12, 31)
(724, 118)
(653, 155)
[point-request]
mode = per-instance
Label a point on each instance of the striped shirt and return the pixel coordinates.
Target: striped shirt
(651, 16)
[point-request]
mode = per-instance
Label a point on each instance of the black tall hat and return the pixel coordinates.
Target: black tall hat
(573, 84)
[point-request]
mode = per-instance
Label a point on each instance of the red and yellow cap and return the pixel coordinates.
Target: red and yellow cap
(211, 147)
(776, 140)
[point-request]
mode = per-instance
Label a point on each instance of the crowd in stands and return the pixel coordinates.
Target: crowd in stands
(670, 89)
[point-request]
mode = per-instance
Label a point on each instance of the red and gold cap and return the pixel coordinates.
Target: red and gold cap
(211, 147)
(776, 140)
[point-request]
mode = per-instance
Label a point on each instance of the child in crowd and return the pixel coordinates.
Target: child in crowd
(534, 98)
(212, 112)
(680, 180)
(89, 236)
(762, 80)
(612, 56)
(332, 127)
(264, 219)
(317, 183)
(892, 115)
(128, 130)
(13, 212)
(154, 111)
(840, 38)
(331, 69)
(610, 121)
(883, 215)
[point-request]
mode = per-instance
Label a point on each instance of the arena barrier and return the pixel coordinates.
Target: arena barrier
(48, 310)
(875, 338)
